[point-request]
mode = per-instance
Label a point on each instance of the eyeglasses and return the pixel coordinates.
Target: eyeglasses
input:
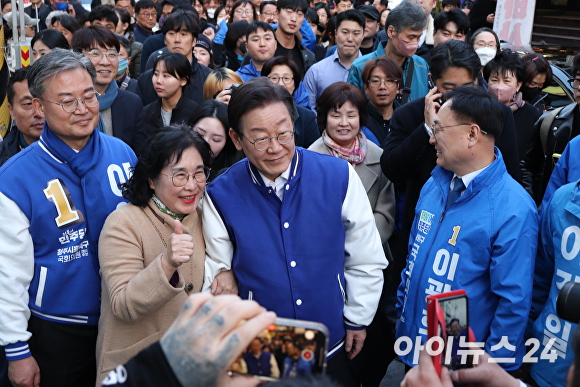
(344, 5)
(263, 143)
(70, 104)
(285, 80)
(248, 12)
(375, 83)
(439, 129)
(483, 44)
(180, 179)
(574, 82)
(148, 15)
(97, 55)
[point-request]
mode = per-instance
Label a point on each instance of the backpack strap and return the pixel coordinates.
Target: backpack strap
(408, 81)
(546, 124)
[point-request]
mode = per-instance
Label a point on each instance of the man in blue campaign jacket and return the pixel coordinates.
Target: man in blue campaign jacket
(54, 198)
(475, 229)
(556, 263)
(295, 226)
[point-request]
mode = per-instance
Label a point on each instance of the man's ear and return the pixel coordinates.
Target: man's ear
(390, 31)
(474, 135)
(236, 139)
(37, 106)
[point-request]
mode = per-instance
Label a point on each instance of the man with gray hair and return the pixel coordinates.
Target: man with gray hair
(54, 198)
(404, 27)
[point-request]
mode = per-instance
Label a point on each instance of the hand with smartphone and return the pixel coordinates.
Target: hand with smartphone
(433, 101)
(448, 319)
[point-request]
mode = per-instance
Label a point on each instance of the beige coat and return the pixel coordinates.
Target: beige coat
(138, 304)
(380, 190)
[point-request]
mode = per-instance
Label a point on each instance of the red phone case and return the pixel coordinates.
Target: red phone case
(436, 319)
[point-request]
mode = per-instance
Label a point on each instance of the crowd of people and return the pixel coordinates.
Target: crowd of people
(329, 162)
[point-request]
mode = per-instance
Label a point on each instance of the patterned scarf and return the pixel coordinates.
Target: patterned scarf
(517, 102)
(163, 208)
(354, 155)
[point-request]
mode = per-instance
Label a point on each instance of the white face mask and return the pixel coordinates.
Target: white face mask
(219, 21)
(485, 54)
(210, 12)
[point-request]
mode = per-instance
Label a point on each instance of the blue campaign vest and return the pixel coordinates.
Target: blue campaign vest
(260, 366)
(289, 255)
(66, 284)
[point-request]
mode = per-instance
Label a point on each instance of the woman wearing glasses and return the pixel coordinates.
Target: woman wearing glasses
(283, 72)
(152, 251)
(121, 111)
(240, 10)
(171, 72)
(342, 114)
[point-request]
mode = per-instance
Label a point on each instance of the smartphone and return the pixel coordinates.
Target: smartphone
(287, 348)
(431, 85)
(448, 318)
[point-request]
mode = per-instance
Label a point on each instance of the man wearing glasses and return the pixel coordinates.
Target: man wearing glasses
(475, 229)
(295, 226)
(121, 111)
(552, 132)
(54, 198)
(145, 20)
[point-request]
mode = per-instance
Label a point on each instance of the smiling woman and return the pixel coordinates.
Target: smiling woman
(152, 251)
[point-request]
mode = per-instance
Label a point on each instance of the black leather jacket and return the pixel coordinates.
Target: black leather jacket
(538, 164)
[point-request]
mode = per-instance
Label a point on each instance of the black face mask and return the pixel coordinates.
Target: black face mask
(242, 47)
(530, 93)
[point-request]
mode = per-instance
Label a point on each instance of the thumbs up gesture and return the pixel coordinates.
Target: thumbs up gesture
(180, 247)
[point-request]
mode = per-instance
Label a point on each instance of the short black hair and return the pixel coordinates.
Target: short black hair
(86, 38)
(124, 17)
(453, 3)
(576, 71)
(295, 5)
(454, 53)
(506, 62)
(103, 12)
(282, 61)
(311, 16)
(144, 4)
(51, 39)
(351, 15)
(456, 16)
(256, 25)
(235, 31)
(265, 3)
(475, 104)
(176, 64)
(165, 146)
(20, 75)
(257, 92)
(181, 20)
(66, 21)
(336, 95)
(132, 3)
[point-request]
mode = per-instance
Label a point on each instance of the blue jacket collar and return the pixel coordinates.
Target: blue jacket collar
(489, 176)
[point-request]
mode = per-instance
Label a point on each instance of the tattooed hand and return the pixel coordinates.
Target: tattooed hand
(207, 337)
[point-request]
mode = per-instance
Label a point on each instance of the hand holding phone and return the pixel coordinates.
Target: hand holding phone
(448, 318)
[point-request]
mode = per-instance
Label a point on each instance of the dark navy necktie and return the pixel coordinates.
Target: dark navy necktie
(455, 193)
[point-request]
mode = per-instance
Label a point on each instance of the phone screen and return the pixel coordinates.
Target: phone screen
(288, 348)
(455, 310)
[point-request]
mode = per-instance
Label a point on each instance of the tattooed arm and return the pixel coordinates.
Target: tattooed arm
(200, 346)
